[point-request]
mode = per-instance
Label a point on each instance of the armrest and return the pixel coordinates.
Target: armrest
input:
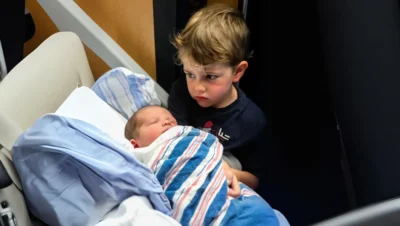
(384, 213)
(68, 16)
(8, 166)
(5, 180)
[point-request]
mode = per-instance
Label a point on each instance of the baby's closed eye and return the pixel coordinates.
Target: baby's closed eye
(153, 121)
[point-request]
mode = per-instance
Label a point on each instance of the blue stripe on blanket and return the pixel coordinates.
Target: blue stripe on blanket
(176, 153)
(191, 166)
(168, 147)
(123, 84)
(217, 204)
(99, 93)
(192, 207)
(118, 106)
(102, 89)
(138, 99)
(125, 87)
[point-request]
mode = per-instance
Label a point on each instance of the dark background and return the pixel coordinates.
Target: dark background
(16, 28)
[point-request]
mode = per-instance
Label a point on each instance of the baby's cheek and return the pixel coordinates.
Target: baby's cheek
(155, 135)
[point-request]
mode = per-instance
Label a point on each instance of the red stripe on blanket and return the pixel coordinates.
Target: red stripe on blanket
(217, 183)
(187, 154)
(163, 150)
(221, 213)
(209, 197)
(187, 191)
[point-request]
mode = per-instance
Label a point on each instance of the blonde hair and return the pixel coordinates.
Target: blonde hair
(132, 127)
(133, 124)
(214, 34)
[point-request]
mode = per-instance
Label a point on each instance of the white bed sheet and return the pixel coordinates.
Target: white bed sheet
(85, 105)
(136, 211)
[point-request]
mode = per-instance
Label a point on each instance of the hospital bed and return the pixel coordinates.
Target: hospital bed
(36, 86)
(42, 81)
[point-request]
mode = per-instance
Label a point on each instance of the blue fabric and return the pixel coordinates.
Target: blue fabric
(126, 91)
(73, 174)
(252, 209)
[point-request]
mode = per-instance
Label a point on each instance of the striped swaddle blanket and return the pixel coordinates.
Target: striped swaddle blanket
(187, 162)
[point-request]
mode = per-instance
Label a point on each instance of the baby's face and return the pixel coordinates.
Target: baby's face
(154, 121)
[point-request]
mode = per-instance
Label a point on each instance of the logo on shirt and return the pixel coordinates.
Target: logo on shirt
(220, 134)
(207, 127)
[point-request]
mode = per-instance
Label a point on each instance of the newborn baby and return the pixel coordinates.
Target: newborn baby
(185, 163)
(148, 123)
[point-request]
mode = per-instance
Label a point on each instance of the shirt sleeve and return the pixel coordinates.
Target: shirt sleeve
(177, 102)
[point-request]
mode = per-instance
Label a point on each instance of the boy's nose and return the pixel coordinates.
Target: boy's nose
(199, 87)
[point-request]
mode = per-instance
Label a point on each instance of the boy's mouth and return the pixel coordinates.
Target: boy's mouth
(200, 98)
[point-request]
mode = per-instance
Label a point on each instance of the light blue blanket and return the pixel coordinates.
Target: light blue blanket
(73, 174)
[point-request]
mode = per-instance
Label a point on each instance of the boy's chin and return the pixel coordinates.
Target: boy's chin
(204, 104)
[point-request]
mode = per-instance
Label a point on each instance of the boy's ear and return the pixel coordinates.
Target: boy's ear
(240, 69)
(134, 143)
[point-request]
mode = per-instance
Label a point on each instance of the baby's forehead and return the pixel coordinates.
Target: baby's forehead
(151, 112)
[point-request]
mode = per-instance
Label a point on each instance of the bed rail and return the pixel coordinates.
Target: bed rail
(68, 16)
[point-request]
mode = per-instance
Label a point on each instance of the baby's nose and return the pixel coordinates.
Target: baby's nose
(167, 122)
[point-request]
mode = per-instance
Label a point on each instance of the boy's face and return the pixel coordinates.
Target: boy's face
(212, 85)
(153, 121)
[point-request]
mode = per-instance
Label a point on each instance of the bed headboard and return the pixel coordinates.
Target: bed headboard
(40, 83)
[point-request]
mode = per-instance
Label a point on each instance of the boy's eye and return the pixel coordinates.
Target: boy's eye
(211, 77)
(190, 75)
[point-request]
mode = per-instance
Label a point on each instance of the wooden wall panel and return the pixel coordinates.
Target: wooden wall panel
(128, 22)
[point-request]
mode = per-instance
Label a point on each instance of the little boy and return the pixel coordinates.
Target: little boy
(213, 48)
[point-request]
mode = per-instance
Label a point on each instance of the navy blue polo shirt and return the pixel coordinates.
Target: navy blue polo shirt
(240, 127)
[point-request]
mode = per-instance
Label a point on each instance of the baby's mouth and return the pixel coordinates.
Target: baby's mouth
(166, 129)
(169, 127)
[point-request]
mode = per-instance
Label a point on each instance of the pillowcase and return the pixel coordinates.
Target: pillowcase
(126, 91)
(85, 105)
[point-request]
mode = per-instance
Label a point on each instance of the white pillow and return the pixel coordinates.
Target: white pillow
(85, 105)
